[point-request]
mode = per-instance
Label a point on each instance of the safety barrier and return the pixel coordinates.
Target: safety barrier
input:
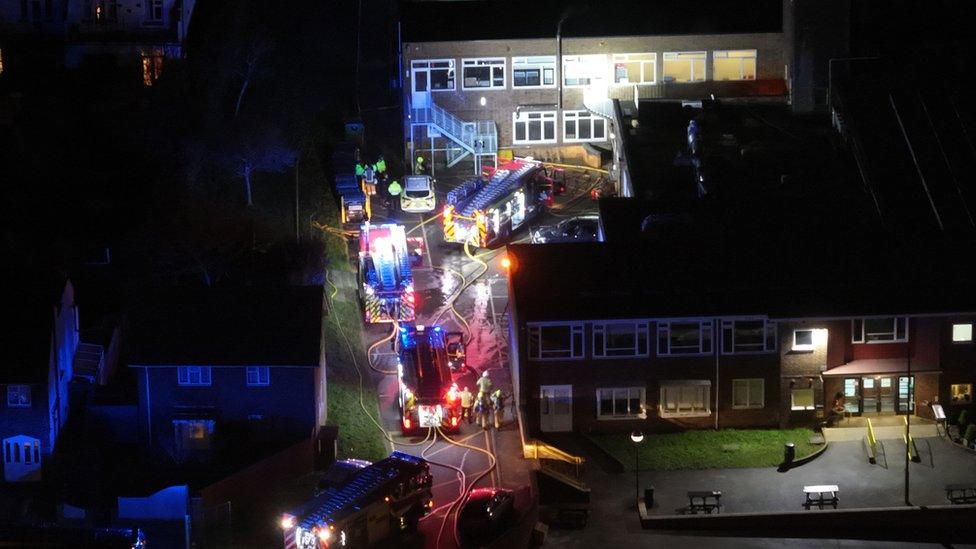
(909, 442)
(555, 460)
(872, 440)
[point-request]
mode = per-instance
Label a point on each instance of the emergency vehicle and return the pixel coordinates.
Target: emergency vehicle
(385, 276)
(428, 395)
(489, 209)
(354, 204)
(418, 194)
(362, 504)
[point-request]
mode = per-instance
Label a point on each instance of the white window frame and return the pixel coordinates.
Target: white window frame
(676, 55)
(535, 332)
(540, 62)
(703, 385)
(962, 339)
(529, 117)
(705, 345)
(628, 414)
(769, 337)
(13, 390)
(724, 54)
(583, 117)
(859, 333)
(804, 346)
(641, 330)
(257, 376)
(585, 62)
(429, 64)
(193, 376)
(749, 382)
(813, 399)
(491, 63)
(626, 58)
(151, 8)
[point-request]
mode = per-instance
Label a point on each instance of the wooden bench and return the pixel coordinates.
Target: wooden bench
(706, 502)
(958, 494)
(820, 495)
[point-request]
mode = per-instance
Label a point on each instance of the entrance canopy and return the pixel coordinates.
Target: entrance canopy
(880, 366)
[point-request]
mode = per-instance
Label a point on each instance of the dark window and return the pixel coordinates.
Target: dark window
(749, 334)
(803, 337)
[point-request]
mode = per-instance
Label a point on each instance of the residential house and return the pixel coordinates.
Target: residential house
(226, 374)
(131, 34)
(39, 343)
(538, 78)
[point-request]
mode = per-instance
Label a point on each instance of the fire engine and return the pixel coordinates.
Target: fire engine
(489, 209)
(354, 204)
(362, 504)
(428, 395)
(385, 277)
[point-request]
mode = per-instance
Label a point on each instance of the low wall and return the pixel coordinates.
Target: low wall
(254, 483)
(930, 524)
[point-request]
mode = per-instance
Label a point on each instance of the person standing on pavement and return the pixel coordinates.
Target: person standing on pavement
(481, 410)
(498, 406)
(394, 189)
(419, 168)
(380, 167)
(369, 178)
(467, 401)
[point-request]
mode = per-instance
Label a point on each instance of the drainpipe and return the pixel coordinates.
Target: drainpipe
(717, 347)
(559, 60)
(148, 408)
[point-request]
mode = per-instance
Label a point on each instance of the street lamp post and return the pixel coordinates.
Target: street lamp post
(638, 437)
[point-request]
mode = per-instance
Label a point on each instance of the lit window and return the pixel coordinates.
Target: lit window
(1, 61)
(961, 393)
(258, 376)
(583, 126)
(801, 399)
(684, 66)
(748, 393)
(684, 338)
(584, 70)
(634, 68)
(748, 336)
(534, 127)
(19, 396)
(734, 65)
(962, 333)
(802, 340)
(627, 402)
(192, 435)
(193, 375)
(624, 339)
(548, 342)
(433, 75)
(152, 66)
(534, 72)
(685, 398)
(483, 73)
(879, 330)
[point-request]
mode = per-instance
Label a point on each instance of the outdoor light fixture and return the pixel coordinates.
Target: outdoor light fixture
(637, 436)
(483, 101)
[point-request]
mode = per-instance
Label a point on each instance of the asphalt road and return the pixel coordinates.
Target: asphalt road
(484, 307)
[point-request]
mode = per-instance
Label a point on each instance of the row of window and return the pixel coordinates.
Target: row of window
(540, 127)
(14, 451)
(678, 398)
(255, 376)
(488, 73)
(631, 339)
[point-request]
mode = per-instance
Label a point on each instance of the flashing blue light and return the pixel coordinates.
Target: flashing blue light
(403, 329)
(437, 328)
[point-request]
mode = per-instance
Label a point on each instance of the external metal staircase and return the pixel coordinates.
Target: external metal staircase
(478, 138)
(88, 362)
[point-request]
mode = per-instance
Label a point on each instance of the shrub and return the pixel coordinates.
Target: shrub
(962, 420)
(970, 433)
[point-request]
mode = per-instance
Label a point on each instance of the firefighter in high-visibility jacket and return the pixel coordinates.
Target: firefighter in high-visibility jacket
(467, 401)
(409, 403)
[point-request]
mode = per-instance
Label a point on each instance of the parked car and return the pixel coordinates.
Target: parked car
(487, 514)
(455, 351)
(418, 194)
(583, 228)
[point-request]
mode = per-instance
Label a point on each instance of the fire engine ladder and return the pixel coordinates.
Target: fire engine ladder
(386, 272)
(478, 138)
(369, 480)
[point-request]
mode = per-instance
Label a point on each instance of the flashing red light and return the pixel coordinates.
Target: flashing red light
(451, 394)
(406, 423)
(506, 262)
(453, 421)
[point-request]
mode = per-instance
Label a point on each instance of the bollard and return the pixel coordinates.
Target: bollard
(789, 452)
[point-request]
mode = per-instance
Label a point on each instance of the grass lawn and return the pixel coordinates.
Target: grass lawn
(707, 449)
(358, 436)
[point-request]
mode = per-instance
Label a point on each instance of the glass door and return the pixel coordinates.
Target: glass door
(886, 395)
(869, 394)
(852, 395)
(906, 395)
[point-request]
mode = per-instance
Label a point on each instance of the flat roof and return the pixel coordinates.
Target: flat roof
(511, 20)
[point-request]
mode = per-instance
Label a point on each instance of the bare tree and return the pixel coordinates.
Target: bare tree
(259, 151)
(250, 66)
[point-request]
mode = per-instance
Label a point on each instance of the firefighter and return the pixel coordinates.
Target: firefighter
(410, 402)
(498, 406)
(369, 178)
(482, 409)
(380, 166)
(484, 383)
(394, 189)
(419, 167)
(467, 401)
(360, 169)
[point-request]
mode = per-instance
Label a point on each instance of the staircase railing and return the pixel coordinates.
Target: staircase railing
(479, 137)
(555, 460)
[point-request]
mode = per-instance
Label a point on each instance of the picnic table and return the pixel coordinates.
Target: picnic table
(704, 501)
(820, 495)
(961, 493)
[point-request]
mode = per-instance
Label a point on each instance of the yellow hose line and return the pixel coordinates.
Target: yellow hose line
(493, 462)
(369, 352)
(424, 222)
(335, 289)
